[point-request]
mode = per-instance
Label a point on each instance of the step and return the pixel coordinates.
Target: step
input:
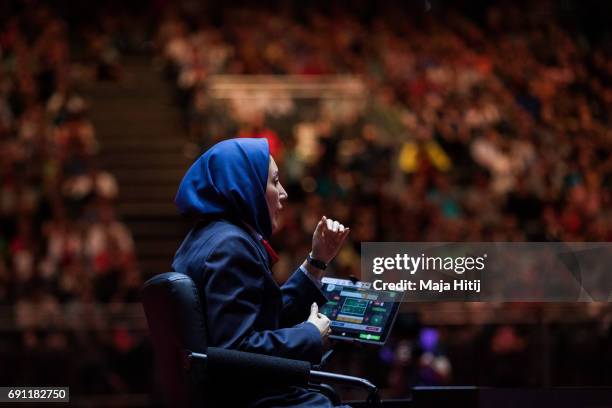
(149, 177)
(137, 148)
(142, 143)
(133, 194)
(142, 93)
(138, 165)
(174, 217)
(140, 140)
(148, 121)
(142, 102)
(153, 144)
(158, 113)
(156, 228)
(147, 209)
(125, 189)
(155, 160)
(129, 130)
(158, 248)
(135, 84)
(126, 128)
(141, 136)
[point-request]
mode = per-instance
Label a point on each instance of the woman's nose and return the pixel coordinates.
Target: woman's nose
(283, 193)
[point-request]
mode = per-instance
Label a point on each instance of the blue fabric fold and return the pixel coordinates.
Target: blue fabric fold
(229, 180)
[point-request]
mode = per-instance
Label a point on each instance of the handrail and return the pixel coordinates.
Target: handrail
(294, 86)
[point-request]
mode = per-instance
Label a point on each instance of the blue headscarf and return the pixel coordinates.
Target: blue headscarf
(229, 180)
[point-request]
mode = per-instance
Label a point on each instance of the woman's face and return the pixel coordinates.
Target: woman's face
(275, 193)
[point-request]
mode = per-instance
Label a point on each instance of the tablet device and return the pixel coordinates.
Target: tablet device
(358, 312)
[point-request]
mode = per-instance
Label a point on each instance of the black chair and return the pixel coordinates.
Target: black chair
(193, 374)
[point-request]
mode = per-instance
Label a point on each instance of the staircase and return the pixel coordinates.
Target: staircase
(142, 144)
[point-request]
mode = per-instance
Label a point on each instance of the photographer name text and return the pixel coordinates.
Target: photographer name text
(429, 285)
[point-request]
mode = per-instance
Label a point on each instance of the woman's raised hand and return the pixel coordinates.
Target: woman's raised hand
(328, 237)
(319, 320)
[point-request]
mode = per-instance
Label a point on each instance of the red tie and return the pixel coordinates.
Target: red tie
(271, 252)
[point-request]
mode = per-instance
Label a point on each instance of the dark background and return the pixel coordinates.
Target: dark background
(476, 121)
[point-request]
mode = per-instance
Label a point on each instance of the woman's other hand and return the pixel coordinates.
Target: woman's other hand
(319, 320)
(328, 237)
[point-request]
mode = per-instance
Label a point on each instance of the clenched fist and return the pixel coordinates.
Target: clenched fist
(328, 237)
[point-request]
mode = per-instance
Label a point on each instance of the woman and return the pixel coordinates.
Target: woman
(235, 191)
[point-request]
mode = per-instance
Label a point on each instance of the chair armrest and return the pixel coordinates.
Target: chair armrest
(252, 368)
(347, 380)
(244, 363)
(373, 399)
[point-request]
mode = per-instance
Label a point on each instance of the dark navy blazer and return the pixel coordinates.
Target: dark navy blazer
(244, 308)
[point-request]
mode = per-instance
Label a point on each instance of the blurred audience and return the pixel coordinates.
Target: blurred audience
(484, 125)
(61, 245)
(489, 126)
(496, 130)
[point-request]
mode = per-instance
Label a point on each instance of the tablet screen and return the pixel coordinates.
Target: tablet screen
(358, 312)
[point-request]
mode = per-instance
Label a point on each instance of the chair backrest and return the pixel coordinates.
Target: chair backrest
(176, 324)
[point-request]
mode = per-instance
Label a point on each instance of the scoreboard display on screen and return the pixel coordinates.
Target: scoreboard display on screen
(358, 312)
